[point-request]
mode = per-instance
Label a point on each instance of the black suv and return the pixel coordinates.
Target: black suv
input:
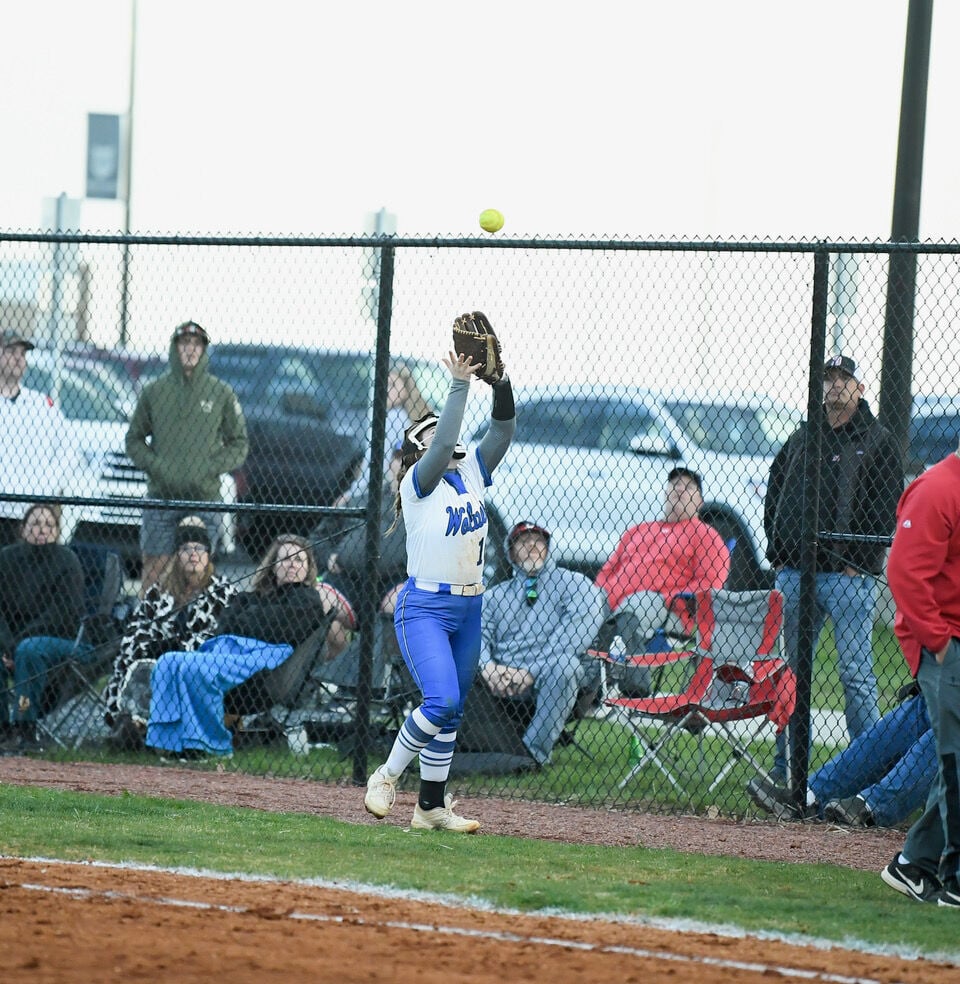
(308, 418)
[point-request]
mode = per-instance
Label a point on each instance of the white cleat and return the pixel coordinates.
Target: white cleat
(443, 818)
(381, 793)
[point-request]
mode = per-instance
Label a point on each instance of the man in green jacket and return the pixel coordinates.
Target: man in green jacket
(196, 433)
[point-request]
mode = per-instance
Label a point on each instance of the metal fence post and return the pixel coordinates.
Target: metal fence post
(806, 637)
(369, 600)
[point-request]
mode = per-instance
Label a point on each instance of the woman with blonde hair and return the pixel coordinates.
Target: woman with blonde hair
(41, 604)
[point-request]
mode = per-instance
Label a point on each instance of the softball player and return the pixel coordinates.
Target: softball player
(438, 610)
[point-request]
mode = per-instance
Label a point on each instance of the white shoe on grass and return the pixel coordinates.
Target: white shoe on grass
(381, 793)
(443, 818)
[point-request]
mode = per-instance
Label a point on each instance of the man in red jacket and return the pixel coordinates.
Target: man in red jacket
(924, 575)
(654, 562)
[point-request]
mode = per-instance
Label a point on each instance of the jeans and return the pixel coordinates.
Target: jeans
(558, 679)
(891, 765)
(33, 659)
(850, 603)
(934, 840)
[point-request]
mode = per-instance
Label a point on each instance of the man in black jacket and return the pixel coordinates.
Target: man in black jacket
(861, 479)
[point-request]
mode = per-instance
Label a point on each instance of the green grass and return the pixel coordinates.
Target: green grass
(588, 775)
(592, 779)
(817, 900)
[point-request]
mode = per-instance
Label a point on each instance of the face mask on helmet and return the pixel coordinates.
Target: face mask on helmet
(414, 435)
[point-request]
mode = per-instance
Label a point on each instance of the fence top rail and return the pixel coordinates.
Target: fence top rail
(622, 245)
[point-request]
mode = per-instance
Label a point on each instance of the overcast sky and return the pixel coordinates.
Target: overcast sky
(684, 119)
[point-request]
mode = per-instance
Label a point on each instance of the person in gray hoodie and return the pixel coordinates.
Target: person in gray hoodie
(536, 628)
(187, 431)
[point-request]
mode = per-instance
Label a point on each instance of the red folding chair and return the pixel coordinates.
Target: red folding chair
(736, 686)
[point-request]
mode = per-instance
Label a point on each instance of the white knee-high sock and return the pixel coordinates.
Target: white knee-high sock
(417, 732)
(436, 757)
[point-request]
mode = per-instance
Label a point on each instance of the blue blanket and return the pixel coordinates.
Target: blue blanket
(186, 703)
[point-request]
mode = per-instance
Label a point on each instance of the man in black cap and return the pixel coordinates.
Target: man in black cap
(35, 456)
(861, 478)
(196, 433)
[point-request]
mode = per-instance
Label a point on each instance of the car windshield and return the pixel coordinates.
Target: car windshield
(80, 398)
(934, 437)
(244, 372)
(344, 378)
(732, 428)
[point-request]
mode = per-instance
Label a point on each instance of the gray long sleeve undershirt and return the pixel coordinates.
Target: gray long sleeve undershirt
(493, 447)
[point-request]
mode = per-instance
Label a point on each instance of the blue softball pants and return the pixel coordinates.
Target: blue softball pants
(439, 637)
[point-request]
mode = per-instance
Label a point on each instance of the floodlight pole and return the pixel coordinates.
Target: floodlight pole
(128, 156)
(894, 407)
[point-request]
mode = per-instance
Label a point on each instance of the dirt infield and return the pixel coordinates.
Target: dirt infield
(78, 923)
(75, 923)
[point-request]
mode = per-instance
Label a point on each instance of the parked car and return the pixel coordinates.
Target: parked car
(588, 464)
(130, 367)
(97, 405)
(934, 431)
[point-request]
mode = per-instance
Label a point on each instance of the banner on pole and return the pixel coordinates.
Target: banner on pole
(103, 155)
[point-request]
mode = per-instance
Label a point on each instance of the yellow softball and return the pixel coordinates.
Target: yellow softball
(491, 220)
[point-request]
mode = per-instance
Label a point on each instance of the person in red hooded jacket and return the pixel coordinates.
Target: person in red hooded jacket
(924, 575)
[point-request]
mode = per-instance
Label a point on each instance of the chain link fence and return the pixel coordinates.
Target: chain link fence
(628, 361)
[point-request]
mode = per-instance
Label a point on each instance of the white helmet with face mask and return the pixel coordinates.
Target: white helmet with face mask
(413, 438)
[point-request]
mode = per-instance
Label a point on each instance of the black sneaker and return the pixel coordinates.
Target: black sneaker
(777, 800)
(950, 894)
(851, 812)
(912, 880)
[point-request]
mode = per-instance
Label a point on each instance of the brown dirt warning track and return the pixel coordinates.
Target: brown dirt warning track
(87, 922)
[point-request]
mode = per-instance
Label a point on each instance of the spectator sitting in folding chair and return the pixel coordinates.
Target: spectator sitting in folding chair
(258, 630)
(346, 571)
(536, 628)
(41, 604)
(177, 614)
(653, 563)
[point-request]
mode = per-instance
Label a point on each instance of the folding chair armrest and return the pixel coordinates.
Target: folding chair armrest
(652, 660)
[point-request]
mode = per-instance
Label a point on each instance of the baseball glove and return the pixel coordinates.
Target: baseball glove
(473, 335)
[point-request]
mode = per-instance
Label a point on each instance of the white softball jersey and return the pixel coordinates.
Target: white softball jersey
(447, 529)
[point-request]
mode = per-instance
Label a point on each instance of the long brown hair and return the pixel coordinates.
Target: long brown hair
(52, 508)
(265, 581)
(406, 463)
(174, 580)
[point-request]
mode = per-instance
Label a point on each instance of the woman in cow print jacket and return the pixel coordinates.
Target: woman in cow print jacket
(179, 613)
